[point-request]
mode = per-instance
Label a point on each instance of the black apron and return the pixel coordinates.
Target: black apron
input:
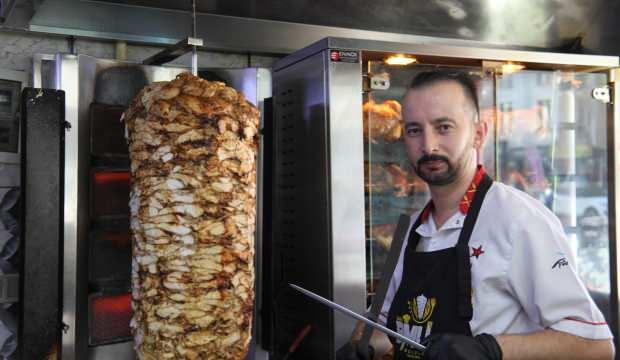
(434, 295)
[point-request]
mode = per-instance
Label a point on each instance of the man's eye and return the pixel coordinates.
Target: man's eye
(413, 131)
(444, 128)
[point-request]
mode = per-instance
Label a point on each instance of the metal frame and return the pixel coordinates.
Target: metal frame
(263, 91)
(438, 48)
(346, 182)
(37, 68)
(613, 160)
(76, 76)
(172, 52)
(75, 185)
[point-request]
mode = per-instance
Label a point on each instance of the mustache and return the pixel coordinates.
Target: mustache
(432, 157)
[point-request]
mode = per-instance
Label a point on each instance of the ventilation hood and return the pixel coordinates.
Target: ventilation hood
(283, 26)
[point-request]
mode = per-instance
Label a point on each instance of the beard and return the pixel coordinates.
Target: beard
(437, 178)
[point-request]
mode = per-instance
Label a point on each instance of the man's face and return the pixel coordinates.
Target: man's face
(441, 135)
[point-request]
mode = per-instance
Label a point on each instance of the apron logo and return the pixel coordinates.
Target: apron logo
(560, 263)
(421, 308)
(476, 251)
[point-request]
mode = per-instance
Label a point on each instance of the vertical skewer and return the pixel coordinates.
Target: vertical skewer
(194, 48)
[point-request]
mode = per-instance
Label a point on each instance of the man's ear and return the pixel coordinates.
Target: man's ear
(481, 131)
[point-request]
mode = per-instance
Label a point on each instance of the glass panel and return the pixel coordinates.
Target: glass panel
(552, 143)
(391, 186)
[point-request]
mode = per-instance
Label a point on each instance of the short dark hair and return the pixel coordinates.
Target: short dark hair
(461, 77)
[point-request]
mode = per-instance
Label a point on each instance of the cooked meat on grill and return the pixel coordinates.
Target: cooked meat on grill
(391, 178)
(192, 145)
(382, 121)
(383, 234)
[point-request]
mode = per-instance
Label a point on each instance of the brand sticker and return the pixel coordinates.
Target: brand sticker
(351, 56)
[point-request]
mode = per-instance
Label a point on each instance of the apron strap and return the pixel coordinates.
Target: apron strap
(463, 269)
(386, 276)
(465, 309)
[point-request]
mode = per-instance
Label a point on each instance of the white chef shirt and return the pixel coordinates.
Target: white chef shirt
(523, 279)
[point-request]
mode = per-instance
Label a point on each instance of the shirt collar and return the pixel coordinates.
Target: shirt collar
(428, 228)
(468, 197)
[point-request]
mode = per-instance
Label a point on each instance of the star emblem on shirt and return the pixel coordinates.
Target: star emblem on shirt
(476, 251)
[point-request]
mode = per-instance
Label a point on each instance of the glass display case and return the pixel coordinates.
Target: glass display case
(551, 142)
(341, 176)
(547, 137)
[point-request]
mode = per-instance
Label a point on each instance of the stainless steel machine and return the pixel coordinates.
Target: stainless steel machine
(341, 176)
(96, 306)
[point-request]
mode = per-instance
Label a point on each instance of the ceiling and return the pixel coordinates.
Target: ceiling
(568, 25)
(550, 23)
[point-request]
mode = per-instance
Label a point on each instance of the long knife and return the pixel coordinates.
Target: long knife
(355, 315)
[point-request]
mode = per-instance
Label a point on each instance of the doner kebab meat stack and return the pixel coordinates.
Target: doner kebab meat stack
(192, 145)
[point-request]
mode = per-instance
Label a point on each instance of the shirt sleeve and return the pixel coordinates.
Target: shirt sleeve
(542, 277)
(389, 296)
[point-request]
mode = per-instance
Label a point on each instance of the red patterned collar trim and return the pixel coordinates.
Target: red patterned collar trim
(468, 197)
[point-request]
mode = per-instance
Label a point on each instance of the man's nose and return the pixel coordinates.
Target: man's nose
(429, 142)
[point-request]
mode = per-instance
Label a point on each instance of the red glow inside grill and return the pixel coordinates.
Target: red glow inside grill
(110, 193)
(110, 316)
(102, 178)
(119, 240)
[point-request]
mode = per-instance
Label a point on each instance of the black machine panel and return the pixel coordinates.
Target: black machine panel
(298, 249)
(42, 159)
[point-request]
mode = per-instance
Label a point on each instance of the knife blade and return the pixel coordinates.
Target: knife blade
(357, 316)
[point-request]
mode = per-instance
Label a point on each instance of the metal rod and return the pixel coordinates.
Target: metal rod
(194, 18)
(346, 311)
(194, 50)
(194, 61)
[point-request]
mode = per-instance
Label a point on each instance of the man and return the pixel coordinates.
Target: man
(485, 271)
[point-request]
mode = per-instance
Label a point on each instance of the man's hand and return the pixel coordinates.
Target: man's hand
(461, 347)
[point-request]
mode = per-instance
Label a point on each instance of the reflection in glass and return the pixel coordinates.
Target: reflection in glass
(552, 144)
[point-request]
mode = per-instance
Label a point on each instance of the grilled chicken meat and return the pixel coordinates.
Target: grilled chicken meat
(192, 145)
(382, 121)
(383, 234)
(390, 178)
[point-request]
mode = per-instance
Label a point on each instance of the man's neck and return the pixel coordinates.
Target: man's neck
(447, 198)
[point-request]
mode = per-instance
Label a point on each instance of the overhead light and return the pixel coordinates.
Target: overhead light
(400, 59)
(509, 68)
